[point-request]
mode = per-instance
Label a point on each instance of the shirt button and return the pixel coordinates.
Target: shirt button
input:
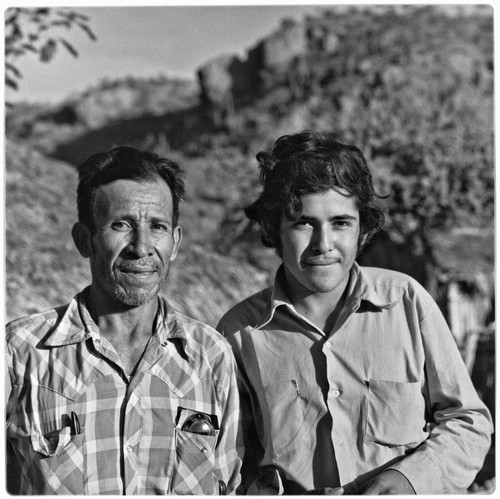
(335, 393)
(340, 442)
(203, 450)
(329, 344)
(129, 448)
(97, 340)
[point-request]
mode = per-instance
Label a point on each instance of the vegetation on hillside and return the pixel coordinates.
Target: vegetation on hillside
(415, 93)
(412, 87)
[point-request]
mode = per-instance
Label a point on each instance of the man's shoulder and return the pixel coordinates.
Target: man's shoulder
(200, 335)
(34, 327)
(391, 282)
(381, 276)
(247, 312)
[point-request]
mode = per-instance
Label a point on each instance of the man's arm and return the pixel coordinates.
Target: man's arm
(460, 433)
(13, 471)
(252, 479)
(389, 482)
(227, 458)
(12, 468)
(248, 443)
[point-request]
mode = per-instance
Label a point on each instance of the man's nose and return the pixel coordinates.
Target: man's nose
(323, 240)
(141, 244)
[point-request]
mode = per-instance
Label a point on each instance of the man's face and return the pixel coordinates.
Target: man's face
(133, 242)
(319, 249)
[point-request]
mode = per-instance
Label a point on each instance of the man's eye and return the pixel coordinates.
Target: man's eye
(303, 224)
(160, 227)
(120, 225)
(342, 223)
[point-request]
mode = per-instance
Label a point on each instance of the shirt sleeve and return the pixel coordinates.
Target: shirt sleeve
(248, 443)
(13, 469)
(460, 424)
(227, 458)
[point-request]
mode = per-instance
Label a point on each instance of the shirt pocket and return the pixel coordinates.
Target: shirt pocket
(49, 449)
(395, 413)
(194, 464)
(287, 403)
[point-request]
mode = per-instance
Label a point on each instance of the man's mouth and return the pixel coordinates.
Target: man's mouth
(312, 262)
(137, 272)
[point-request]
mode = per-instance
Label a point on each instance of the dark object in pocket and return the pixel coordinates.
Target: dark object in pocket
(199, 423)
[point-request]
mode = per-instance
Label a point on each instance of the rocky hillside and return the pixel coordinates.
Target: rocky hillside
(412, 86)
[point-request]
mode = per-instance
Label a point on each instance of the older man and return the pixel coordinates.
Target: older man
(116, 392)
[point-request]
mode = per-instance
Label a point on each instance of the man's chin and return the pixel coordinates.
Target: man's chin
(136, 298)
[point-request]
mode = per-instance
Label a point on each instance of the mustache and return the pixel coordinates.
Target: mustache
(321, 261)
(143, 265)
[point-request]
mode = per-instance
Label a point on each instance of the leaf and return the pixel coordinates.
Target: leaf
(48, 50)
(11, 83)
(30, 47)
(82, 17)
(69, 47)
(13, 69)
(14, 52)
(61, 22)
(42, 11)
(16, 32)
(87, 30)
(12, 19)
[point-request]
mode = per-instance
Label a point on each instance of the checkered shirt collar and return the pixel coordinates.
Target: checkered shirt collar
(77, 325)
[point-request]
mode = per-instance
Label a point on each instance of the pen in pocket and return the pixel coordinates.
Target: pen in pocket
(75, 424)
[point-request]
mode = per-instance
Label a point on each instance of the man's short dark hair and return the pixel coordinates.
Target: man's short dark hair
(128, 163)
(307, 163)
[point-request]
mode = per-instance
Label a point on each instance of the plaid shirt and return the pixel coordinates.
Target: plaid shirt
(79, 425)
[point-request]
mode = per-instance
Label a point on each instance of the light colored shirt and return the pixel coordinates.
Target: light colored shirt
(386, 388)
(79, 425)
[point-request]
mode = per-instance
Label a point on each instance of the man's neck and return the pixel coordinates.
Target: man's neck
(128, 329)
(322, 309)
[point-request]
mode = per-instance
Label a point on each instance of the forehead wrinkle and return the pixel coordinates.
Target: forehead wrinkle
(147, 206)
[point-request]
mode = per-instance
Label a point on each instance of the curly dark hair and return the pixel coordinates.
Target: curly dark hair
(307, 163)
(125, 162)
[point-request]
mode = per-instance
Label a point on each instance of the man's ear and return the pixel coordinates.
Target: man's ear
(82, 239)
(266, 227)
(362, 241)
(177, 236)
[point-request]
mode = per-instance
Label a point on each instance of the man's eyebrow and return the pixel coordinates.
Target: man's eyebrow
(159, 218)
(345, 216)
(342, 216)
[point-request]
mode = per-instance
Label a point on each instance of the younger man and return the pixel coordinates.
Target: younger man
(350, 375)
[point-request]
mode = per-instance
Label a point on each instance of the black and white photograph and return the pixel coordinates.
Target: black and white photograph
(249, 249)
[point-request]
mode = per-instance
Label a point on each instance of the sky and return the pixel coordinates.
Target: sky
(171, 39)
